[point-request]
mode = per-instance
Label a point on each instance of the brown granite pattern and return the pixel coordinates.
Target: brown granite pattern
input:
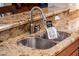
(15, 31)
(10, 47)
(18, 32)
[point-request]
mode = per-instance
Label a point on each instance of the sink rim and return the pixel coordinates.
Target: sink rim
(33, 36)
(53, 43)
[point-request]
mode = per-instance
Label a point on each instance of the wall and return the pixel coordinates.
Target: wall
(72, 6)
(4, 4)
(57, 6)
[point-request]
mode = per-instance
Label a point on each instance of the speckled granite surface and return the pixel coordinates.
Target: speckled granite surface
(10, 46)
(14, 25)
(21, 18)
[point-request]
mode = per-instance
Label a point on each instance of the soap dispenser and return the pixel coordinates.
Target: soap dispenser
(51, 30)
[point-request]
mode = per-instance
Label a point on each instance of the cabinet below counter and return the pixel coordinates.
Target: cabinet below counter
(71, 50)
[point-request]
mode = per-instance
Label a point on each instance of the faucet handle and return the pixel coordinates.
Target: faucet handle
(37, 28)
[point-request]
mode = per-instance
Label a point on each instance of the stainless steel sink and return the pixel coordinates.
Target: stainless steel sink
(61, 36)
(41, 41)
(38, 43)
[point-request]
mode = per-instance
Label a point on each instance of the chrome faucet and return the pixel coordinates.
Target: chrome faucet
(32, 26)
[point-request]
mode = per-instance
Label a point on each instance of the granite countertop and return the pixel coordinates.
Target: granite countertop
(10, 47)
(22, 18)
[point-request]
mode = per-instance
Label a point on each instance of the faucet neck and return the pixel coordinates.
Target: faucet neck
(37, 8)
(43, 16)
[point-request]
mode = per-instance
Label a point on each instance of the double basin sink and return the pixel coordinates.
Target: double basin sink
(41, 40)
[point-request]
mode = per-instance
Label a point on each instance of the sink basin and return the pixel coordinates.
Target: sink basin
(37, 42)
(61, 36)
(41, 41)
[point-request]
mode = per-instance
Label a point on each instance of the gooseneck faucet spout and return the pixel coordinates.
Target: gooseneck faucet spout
(31, 18)
(51, 31)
